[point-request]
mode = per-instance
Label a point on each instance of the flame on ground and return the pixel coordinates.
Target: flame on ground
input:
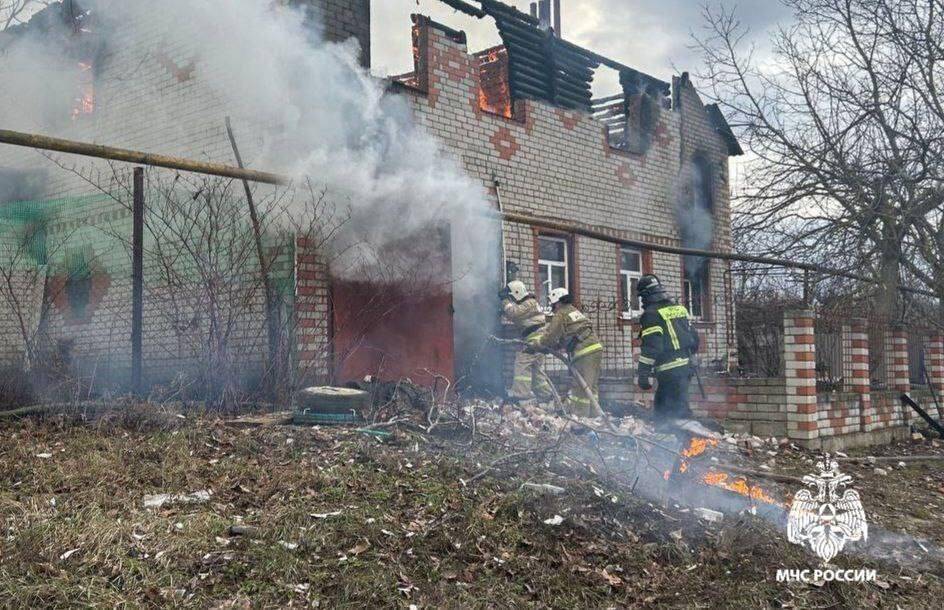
(696, 447)
(739, 486)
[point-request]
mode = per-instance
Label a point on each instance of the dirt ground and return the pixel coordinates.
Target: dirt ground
(332, 517)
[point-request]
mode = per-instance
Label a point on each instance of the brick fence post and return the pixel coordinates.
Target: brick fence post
(799, 360)
(312, 314)
(934, 348)
(899, 378)
(855, 366)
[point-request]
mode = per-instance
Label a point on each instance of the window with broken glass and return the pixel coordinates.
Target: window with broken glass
(695, 288)
(553, 266)
(630, 272)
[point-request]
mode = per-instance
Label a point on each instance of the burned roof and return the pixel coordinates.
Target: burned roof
(62, 25)
(543, 66)
(720, 124)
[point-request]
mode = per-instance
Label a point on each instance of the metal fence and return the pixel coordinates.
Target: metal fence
(833, 351)
(760, 339)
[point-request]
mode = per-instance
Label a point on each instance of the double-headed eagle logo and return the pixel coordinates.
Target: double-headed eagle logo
(827, 521)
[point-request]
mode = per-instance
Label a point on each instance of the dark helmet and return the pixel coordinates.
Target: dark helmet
(651, 289)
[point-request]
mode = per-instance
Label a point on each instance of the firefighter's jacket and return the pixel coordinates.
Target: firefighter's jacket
(527, 316)
(572, 331)
(668, 340)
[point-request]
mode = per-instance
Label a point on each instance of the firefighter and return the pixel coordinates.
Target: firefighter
(521, 308)
(570, 330)
(668, 345)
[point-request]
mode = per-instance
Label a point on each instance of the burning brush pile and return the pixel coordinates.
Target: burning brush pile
(661, 465)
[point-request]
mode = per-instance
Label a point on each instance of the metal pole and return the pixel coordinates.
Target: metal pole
(28, 140)
(137, 279)
(602, 233)
(501, 229)
(557, 18)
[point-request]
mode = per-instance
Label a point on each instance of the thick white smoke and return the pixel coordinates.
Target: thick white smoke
(303, 106)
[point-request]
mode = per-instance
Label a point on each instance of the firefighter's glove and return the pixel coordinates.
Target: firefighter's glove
(644, 382)
(534, 348)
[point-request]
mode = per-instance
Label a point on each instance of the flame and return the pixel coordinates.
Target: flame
(696, 447)
(84, 102)
(739, 486)
(499, 102)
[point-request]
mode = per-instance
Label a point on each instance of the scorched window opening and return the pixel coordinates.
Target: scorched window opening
(695, 289)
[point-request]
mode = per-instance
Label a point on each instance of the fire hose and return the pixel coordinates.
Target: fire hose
(701, 386)
(584, 386)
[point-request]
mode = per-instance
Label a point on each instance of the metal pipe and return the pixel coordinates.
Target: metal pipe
(468, 9)
(557, 18)
(28, 140)
(501, 231)
(613, 236)
(137, 281)
(603, 234)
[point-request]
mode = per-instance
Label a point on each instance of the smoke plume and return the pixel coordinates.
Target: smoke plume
(304, 107)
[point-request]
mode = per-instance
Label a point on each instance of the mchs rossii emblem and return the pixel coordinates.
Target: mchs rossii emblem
(830, 517)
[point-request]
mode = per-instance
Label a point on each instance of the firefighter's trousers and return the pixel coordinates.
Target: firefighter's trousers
(589, 368)
(671, 400)
(530, 379)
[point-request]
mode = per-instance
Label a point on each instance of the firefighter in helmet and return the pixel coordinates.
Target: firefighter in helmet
(522, 309)
(571, 331)
(668, 344)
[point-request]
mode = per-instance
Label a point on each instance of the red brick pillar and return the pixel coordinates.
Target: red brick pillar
(855, 367)
(799, 359)
(934, 350)
(896, 361)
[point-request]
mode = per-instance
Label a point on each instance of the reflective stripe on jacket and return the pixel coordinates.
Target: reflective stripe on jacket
(667, 338)
(572, 331)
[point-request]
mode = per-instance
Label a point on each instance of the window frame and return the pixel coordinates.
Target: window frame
(625, 281)
(541, 263)
(704, 302)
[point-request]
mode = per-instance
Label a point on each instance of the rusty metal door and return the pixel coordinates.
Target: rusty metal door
(381, 330)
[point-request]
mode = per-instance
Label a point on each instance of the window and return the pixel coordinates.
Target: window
(630, 272)
(695, 287)
(553, 266)
(701, 185)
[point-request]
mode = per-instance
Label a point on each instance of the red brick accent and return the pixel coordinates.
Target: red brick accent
(505, 143)
(624, 174)
(568, 119)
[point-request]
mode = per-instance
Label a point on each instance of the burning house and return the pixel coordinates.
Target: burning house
(646, 165)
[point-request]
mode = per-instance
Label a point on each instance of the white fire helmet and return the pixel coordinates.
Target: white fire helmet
(518, 290)
(556, 295)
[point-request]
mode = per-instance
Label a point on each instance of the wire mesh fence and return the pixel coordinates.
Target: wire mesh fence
(760, 340)
(917, 357)
(833, 350)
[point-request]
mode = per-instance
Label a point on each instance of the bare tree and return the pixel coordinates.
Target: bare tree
(846, 130)
(13, 12)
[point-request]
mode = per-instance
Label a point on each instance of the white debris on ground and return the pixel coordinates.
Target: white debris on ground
(712, 516)
(160, 500)
(535, 420)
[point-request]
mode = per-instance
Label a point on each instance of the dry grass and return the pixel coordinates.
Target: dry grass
(408, 532)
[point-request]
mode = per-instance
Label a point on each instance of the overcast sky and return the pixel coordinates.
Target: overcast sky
(653, 36)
